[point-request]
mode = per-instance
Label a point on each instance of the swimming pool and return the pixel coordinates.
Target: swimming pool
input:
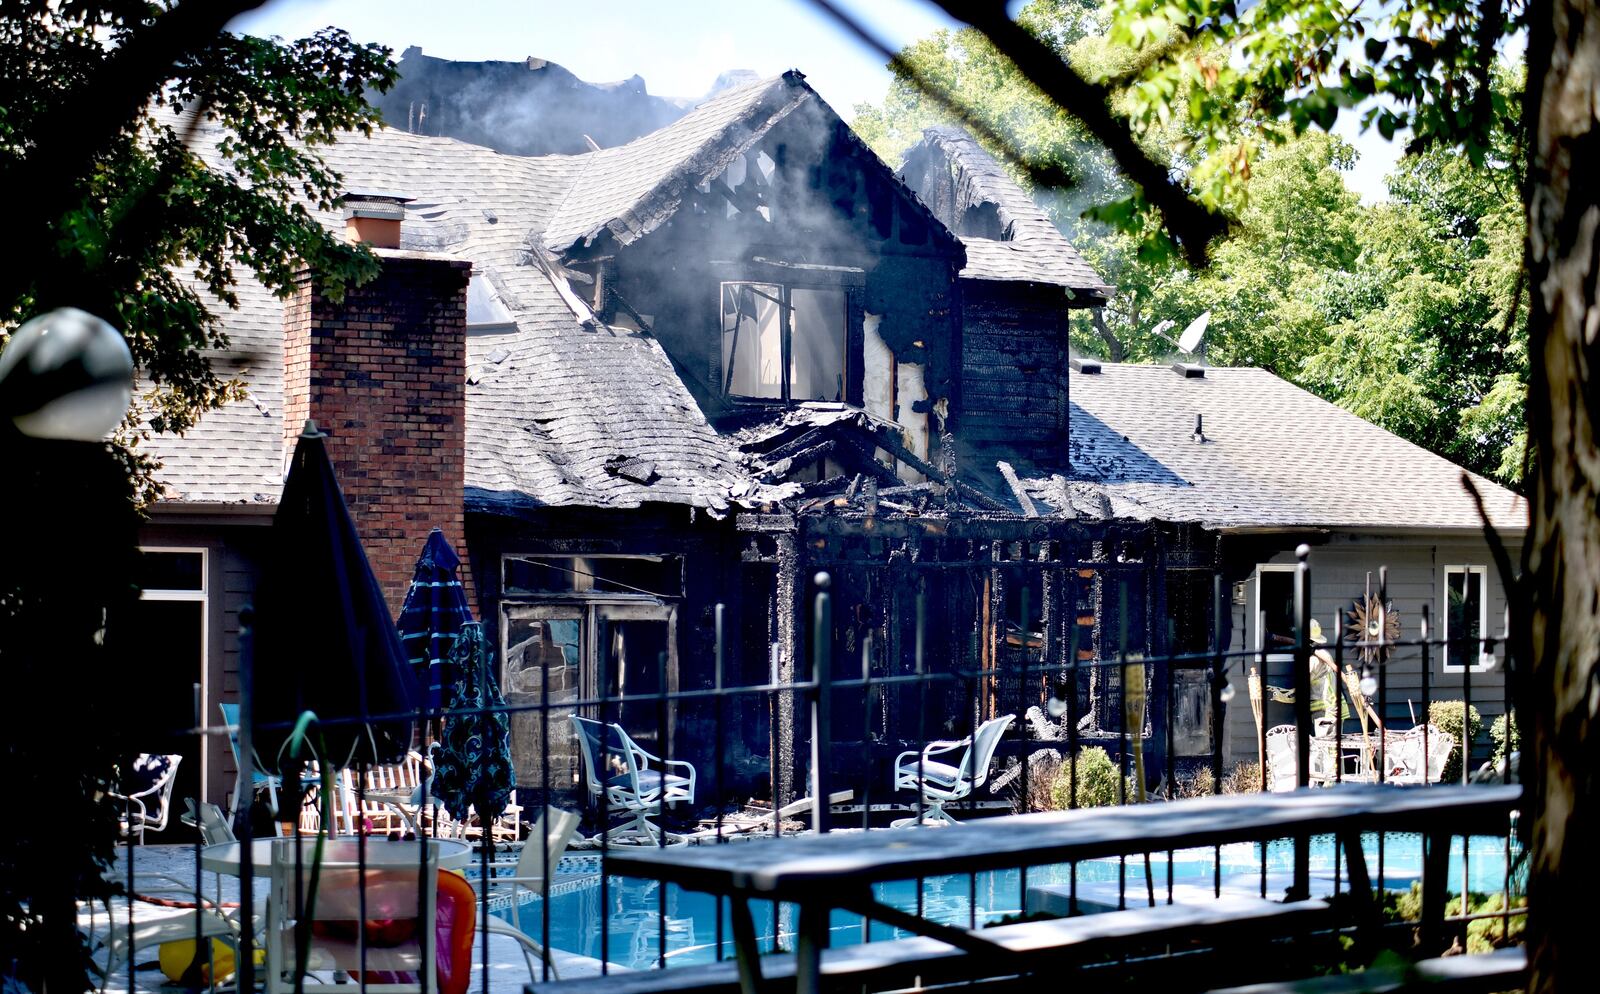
(692, 931)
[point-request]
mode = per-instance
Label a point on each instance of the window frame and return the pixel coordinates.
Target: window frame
(203, 598)
(787, 287)
(1255, 620)
(1486, 658)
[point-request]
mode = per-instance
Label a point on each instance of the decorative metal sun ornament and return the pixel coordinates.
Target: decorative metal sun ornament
(1371, 620)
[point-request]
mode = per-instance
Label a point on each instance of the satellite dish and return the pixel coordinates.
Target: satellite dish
(1190, 339)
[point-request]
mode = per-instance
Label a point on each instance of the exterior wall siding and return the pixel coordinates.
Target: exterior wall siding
(1013, 366)
(1339, 572)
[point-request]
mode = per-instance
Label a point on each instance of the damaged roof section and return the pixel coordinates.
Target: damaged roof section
(1006, 235)
(834, 457)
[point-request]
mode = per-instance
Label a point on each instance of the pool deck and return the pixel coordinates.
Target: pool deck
(508, 971)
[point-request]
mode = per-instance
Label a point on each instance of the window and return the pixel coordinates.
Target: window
(170, 657)
(1274, 619)
(1466, 618)
(783, 343)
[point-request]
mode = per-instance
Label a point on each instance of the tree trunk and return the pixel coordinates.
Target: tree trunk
(1560, 633)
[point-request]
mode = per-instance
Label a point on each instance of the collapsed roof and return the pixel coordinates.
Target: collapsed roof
(1006, 235)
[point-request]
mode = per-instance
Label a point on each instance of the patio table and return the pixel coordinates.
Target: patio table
(824, 872)
(224, 856)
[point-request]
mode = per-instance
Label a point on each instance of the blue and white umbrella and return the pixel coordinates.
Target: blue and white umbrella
(434, 613)
(474, 764)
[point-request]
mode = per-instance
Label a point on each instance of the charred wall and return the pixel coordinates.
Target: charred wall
(1014, 370)
(808, 205)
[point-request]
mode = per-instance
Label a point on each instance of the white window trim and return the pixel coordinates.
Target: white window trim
(1485, 659)
(201, 597)
(1255, 620)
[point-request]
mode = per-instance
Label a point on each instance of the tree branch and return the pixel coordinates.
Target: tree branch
(1190, 223)
(1041, 173)
(88, 121)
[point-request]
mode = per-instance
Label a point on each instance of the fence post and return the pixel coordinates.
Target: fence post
(821, 701)
(1301, 888)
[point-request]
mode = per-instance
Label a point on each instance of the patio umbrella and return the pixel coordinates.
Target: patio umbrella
(325, 640)
(435, 609)
(474, 766)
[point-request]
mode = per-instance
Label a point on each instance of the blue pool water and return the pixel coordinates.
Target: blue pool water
(692, 929)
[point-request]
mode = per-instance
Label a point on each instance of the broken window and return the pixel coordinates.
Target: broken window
(783, 343)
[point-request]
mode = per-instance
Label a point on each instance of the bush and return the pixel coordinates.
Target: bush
(1507, 736)
(1197, 784)
(1097, 783)
(1446, 716)
(1244, 778)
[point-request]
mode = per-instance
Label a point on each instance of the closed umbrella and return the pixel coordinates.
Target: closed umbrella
(435, 609)
(325, 641)
(474, 765)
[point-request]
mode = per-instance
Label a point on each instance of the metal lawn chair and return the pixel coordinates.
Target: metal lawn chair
(1407, 752)
(619, 771)
(941, 783)
(529, 880)
(136, 816)
(259, 779)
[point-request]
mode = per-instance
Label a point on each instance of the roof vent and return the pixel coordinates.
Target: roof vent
(1089, 367)
(373, 217)
(1189, 370)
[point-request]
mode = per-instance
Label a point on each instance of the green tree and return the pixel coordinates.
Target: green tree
(123, 218)
(1299, 63)
(1405, 312)
(112, 210)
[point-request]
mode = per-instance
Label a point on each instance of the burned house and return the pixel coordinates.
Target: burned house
(700, 368)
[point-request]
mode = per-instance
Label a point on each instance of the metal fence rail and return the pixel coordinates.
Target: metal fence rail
(856, 716)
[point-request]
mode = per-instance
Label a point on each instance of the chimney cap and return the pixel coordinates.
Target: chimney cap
(1090, 367)
(382, 204)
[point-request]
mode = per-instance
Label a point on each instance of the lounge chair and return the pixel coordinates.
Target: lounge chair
(940, 783)
(155, 791)
(153, 926)
(532, 873)
(631, 785)
(259, 779)
(381, 900)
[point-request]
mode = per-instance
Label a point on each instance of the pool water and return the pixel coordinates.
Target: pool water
(638, 909)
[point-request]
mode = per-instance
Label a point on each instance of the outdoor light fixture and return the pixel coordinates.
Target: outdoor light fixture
(67, 375)
(1369, 683)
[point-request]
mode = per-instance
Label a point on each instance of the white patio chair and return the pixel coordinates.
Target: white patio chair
(1405, 755)
(619, 771)
(941, 783)
(1283, 768)
(136, 817)
(391, 894)
(154, 926)
(531, 873)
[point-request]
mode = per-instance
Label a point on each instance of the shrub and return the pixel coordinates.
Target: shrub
(1244, 778)
(1446, 716)
(1507, 736)
(1097, 783)
(1197, 784)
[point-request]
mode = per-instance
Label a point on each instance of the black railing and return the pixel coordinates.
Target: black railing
(1086, 727)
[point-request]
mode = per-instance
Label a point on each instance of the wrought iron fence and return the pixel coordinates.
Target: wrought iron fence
(1041, 690)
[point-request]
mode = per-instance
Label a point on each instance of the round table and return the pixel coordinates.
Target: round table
(224, 857)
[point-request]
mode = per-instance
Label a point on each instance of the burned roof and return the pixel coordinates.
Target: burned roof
(1267, 455)
(560, 409)
(1007, 236)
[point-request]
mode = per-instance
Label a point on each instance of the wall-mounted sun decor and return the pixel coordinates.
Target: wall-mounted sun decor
(1370, 619)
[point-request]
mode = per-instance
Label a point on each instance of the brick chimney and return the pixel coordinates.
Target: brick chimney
(383, 372)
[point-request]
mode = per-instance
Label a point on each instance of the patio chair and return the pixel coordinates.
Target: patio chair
(153, 926)
(1283, 769)
(1405, 757)
(630, 784)
(393, 931)
(940, 783)
(531, 873)
(159, 775)
(259, 780)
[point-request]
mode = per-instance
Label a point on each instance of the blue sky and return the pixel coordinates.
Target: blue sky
(678, 46)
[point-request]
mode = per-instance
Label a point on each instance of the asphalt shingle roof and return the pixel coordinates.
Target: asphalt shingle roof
(1274, 456)
(1032, 248)
(559, 410)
